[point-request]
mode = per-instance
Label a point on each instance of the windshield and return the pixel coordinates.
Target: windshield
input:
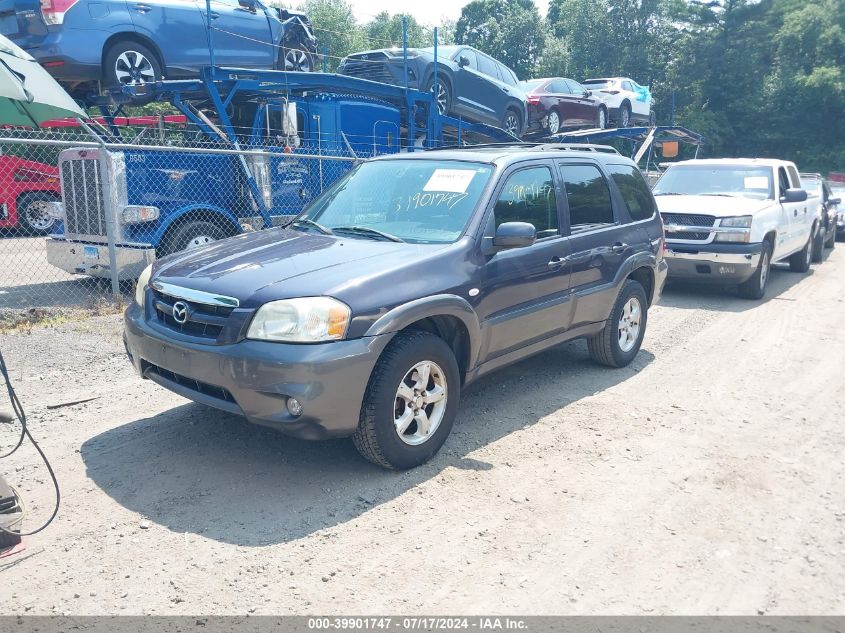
(442, 51)
(418, 201)
(716, 180)
(597, 83)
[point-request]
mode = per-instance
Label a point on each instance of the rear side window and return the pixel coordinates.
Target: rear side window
(508, 76)
(634, 190)
(529, 196)
(588, 196)
(559, 86)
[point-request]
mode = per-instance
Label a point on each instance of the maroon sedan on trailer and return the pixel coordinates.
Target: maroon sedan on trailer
(555, 103)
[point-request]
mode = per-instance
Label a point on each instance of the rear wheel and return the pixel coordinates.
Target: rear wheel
(130, 64)
(554, 122)
(818, 245)
(800, 262)
(618, 343)
(191, 235)
(510, 123)
(755, 286)
(33, 212)
(410, 403)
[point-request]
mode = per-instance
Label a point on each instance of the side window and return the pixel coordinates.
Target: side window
(529, 196)
(471, 56)
(588, 196)
(559, 86)
(487, 66)
(784, 181)
(577, 89)
(626, 85)
(634, 190)
(508, 76)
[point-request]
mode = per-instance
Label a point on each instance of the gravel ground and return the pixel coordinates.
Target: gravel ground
(705, 478)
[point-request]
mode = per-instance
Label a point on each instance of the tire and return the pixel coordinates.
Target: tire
(443, 94)
(32, 212)
(605, 347)
(554, 122)
(831, 241)
(755, 286)
(130, 63)
(818, 246)
(800, 262)
(601, 118)
(511, 122)
(190, 235)
(297, 58)
(625, 115)
(377, 437)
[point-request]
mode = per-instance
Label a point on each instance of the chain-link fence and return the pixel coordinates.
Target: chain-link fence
(82, 214)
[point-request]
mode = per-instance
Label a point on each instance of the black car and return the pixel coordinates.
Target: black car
(469, 83)
(408, 279)
(825, 237)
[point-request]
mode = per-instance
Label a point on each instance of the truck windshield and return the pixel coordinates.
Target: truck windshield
(716, 180)
(418, 201)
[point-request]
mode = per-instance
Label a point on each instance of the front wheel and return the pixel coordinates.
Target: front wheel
(755, 286)
(620, 340)
(297, 59)
(190, 235)
(410, 402)
(442, 95)
(625, 115)
(601, 122)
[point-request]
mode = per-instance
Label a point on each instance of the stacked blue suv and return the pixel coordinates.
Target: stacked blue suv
(110, 42)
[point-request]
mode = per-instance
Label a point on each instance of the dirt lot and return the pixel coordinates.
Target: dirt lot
(706, 478)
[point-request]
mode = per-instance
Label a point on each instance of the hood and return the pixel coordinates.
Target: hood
(719, 206)
(257, 267)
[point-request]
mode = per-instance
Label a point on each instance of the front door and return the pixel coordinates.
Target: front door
(241, 35)
(475, 94)
(524, 294)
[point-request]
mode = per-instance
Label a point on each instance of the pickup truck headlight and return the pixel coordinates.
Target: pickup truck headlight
(303, 320)
(736, 222)
(141, 285)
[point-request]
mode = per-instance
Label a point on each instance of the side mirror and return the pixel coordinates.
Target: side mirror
(514, 235)
(463, 61)
(835, 201)
(250, 5)
(794, 195)
(588, 93)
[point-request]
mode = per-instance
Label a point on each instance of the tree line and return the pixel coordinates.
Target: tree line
(755, 77)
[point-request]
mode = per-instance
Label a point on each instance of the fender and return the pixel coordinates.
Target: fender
(436, 305)
(643, 259)
(172, 216)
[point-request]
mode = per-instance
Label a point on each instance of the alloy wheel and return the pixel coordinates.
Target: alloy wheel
(420, 403)
(132, 68)
(629, 324)
(37, 215)
(602, 119)
(554, 122)
(441, 96)
(511, 124)
(764, 270)
(297, 60)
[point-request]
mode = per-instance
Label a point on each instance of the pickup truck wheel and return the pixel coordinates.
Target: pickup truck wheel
(618, 343)
(33, 212)
(755, 286)
(410, 402)
(818, 245)
(190, 235)
(800, 262)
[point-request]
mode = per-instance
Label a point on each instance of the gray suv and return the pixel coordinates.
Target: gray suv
(408, 279)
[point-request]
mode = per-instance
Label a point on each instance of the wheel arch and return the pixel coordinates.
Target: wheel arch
(131, 36)
(198, 212)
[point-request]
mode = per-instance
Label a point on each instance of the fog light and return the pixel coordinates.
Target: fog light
(294, 407)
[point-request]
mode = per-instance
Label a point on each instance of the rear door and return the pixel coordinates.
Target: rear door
(178, 28)
(241, 35)
(495, 93)
(525, 294)
(601, 238)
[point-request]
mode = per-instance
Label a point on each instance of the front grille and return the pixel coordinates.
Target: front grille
(82, 193)
(688, 219)
(366, 69)
(203, 321)
(204, 388)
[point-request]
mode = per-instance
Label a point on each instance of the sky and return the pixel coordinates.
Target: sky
(431, 12)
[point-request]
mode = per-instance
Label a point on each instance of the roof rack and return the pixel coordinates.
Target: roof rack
(538, 147)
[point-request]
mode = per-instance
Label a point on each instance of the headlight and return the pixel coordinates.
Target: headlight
(736, 222)
(141, 285)
(135, 214)
(303, 320)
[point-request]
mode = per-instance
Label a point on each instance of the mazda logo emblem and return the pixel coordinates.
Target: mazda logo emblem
(180, 312)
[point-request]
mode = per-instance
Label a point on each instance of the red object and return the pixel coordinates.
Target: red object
(836, 176)
(178, 119)
(15, 549)
(54, 64)
(19, 176)
(53, 11)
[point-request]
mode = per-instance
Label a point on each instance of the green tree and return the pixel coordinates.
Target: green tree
(512, 31)
(385, 30)
(335, 27)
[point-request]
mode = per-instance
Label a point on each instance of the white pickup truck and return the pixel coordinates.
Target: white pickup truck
(727, 220)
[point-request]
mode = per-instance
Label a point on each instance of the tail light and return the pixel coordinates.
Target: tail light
(53, 11)
(533, 100)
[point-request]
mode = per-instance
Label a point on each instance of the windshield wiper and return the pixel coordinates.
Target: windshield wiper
(305, 221)
(366, 230)
(721, 195)
(669, 193)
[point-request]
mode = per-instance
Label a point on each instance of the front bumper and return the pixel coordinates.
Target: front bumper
(713, 263)
(82, 258)
(255, 378)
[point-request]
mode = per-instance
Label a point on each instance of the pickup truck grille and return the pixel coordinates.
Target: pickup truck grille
(203, 321)
(82, 193)
(687, 219)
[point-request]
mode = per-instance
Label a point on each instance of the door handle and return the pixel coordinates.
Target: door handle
(143, 8)
(556, 262)
(795, 212)
(214, 15)
(619, 247)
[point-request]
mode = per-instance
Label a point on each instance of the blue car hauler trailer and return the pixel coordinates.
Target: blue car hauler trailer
(268, 143)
